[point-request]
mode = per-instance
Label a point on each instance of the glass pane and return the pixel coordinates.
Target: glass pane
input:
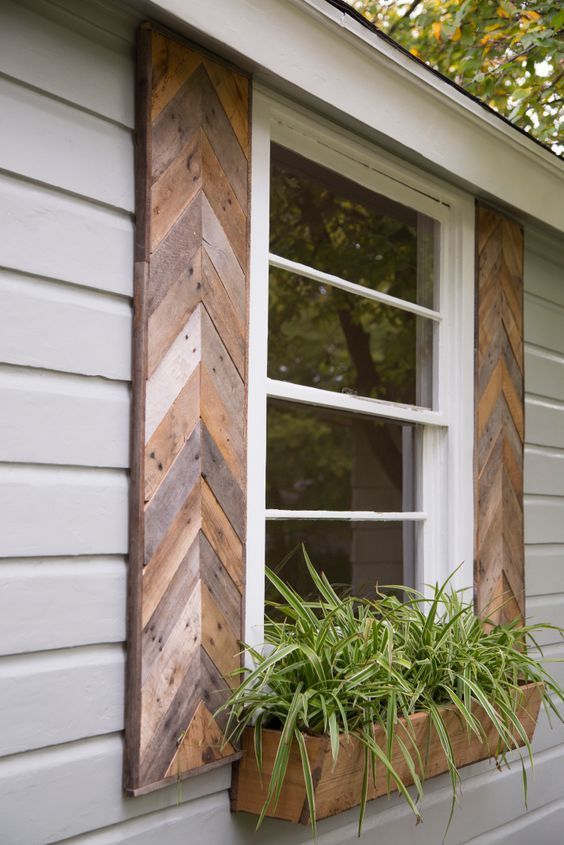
(321, 459)
(323, 337)
(326, 221)
(354, 555)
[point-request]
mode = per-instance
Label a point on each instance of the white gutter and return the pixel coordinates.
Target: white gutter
(312, 51)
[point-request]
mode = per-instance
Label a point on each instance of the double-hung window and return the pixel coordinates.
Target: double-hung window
(360, 393)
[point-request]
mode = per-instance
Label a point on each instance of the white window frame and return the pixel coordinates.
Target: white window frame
(447, 539)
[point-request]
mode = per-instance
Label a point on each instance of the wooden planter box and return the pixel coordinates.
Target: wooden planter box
(339, 789)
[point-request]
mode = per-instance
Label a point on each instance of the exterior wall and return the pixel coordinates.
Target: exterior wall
(66, 253)
(66, 200)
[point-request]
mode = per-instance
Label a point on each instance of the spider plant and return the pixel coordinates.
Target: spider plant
(340, 666)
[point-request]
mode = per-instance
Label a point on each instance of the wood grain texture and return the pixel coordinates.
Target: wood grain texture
(338, 787)
(189, 451)
(500, 557)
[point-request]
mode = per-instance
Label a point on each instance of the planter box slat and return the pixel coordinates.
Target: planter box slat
(339, 789)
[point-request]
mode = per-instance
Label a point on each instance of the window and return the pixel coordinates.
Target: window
(360, 419)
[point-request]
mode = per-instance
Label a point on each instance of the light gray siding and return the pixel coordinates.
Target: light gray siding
(66, 253)
(544, 451)
(66, 204)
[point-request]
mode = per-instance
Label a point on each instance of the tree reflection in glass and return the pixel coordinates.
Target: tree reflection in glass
(329, 222)
(323, 459)
(338, 341)
(355, 556)
(323, 337)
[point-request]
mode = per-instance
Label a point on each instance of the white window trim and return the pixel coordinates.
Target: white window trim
(447, 451)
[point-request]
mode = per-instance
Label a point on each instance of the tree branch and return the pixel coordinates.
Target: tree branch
(502, 65)
(409, 11)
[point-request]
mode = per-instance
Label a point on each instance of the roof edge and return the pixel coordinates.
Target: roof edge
(345, 8)
(313, 53)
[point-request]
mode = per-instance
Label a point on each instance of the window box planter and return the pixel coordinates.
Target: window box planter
(337, 789)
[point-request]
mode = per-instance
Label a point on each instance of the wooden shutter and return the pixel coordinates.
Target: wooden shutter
(189, 453)
(499, 568)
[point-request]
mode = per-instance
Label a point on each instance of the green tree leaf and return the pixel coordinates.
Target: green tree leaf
(497, 50)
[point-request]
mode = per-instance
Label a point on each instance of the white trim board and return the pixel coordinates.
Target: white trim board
(309, 50)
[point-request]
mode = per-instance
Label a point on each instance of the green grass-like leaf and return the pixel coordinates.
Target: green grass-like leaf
(340, 666)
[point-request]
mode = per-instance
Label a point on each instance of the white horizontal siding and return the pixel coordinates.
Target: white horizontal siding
(54, 793)
(204, 821)
(544, 323)
(62, 511)
(51, 603)
(66, 252)
(63, 327)
(553, 657)
(545, 370)
(544, 470)
(60, 696)
(49, 141)
(544, 509)
(102, 21)
(58, 418)
(544, 519)
(543, 827)
(544, 275)
(88, 775)
(544, 421)
(544, 569)
(210, 817)
(79, 69)
(66, 274)
(548, 609)
(47, 233)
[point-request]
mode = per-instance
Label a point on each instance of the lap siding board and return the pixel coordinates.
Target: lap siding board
(189, 452)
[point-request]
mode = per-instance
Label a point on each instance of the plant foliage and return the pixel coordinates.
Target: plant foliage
(509, 54)
(342, 665)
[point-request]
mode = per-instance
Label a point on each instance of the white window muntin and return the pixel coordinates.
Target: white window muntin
(351, 287)
(445, 478)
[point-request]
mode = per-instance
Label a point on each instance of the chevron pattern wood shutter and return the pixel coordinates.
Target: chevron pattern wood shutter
(189, 450)
(499, 568)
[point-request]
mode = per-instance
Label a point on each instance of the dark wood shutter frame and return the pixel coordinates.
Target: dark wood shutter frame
(188, 497)
(500, 564)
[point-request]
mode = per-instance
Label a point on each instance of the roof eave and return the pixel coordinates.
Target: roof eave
(319, 54)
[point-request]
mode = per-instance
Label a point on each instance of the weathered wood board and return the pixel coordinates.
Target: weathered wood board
(339, 787)
(189, 450)
(498, 456)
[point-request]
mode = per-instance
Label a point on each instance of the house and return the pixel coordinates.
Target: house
(396, 296)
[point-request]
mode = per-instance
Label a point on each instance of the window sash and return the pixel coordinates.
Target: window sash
(445, 540)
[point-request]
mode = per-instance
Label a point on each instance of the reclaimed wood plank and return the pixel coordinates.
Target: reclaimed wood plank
(499, 520)
(338, 786)
(188, 540)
